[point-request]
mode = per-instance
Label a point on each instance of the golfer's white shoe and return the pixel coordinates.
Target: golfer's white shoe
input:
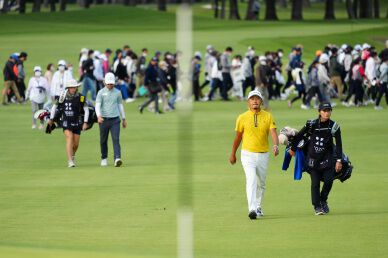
(104, 162)
(118, 162)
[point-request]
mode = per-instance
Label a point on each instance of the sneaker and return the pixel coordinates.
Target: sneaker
(140, 110)
(378, 107)
(259, 212)
(325, 207)
(318, 211)
(71, 164)
(289, 104)
(129, 100)
(305, 107)
(41, 127)
(104, 162)
(118, 162)
(252, 215)
(33, 127)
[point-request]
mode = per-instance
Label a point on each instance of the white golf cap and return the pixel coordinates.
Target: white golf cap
(37, 68)
(110, 78)
(324, 58)
(62, 62)
(84, 50)
(262, 58)
(209, 47)
(344, 46)
(357, 47)
(365, 46)
(97, 53)
(72, 84)
(255, 93)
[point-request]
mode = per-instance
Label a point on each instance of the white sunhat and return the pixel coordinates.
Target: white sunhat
(110, 78)
(72, 84)
(62, 62)
(37, 68)
(255, 93)
(344, 46)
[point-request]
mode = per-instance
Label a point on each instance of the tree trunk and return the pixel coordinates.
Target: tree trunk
(162, 5)
(36, 6)
(296, 10)
(376, 5)
(270, 11)
(282, 3)
(365, 9)
(215, 6)
(349, 9)
(223, 9)
(98, 2)
(62, 5)
(306, 3)
(52, 6)
(250, 15)
(5, 7)
(233, 10)
(329, 10)
(355, 8)
(22, 6)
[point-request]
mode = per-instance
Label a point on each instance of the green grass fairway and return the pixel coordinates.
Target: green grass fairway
(48, 210)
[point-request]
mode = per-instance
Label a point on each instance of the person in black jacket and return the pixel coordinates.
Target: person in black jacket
(89, 81)
(320, 150)
(10, 79)
(152, 83)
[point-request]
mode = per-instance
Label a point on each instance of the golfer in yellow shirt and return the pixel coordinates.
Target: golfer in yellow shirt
(253, 128)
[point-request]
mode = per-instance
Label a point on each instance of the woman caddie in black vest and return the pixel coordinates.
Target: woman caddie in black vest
(320, 151)
(72, 108)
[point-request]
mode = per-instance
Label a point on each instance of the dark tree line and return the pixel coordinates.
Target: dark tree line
(356, 9)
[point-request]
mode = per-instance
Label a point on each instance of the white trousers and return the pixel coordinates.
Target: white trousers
(255, 167)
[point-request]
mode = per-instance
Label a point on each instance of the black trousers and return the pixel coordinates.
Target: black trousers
(227, 84)
(318, 195)
(22, 88)
(248, 82)
(382, 89)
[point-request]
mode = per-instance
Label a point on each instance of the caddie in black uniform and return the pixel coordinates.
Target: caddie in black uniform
(321, 163)
(74, 113)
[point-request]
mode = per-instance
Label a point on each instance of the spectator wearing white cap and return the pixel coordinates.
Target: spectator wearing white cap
(262, 80)
(60, 79)
(98, 71)
(37, 91)
(71, 108)
(323, 77)
(253, 128)
(209, 60)
(83, 55)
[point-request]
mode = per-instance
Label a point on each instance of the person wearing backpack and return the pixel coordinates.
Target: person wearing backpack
(319, 158)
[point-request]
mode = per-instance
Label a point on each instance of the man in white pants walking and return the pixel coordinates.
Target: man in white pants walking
(253, 128)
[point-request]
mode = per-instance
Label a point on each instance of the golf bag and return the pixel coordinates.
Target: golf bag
(44, 115)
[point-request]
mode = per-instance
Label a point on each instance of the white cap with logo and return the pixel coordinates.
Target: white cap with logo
(255, 93)
(110, 78)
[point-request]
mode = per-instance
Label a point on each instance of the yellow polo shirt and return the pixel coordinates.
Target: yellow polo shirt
(255, 130)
